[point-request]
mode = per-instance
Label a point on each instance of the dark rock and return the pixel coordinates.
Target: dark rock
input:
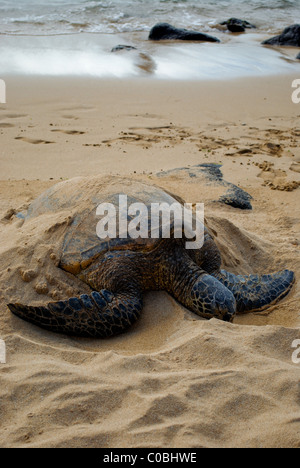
(212, 174)
(298, 57)
(289, 37)
(235, 196)
(123, 47)
(164, 31)
(235, 28)
(236, 25)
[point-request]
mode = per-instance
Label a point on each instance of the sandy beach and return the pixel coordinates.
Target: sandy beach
(173, 380)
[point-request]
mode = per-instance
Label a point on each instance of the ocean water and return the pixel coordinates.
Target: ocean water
(57, 37)
(117, 16)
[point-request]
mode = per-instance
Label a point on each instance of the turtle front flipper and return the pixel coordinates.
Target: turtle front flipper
(254, 292)
(101, 314)
(199, 292)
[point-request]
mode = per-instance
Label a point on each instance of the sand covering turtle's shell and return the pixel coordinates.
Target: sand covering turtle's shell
(79, 199)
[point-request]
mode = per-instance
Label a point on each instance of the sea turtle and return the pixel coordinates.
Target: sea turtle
(119, 270)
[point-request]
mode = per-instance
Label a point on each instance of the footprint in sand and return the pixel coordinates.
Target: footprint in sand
(276, 178)
(78, 109)
(69, 132)
(295, 167)
(6, 125)
(70, 117)
(284, 186)
(34, 141)
(13, 116)
(273, 149)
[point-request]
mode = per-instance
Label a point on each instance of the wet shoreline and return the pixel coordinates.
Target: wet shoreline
(238, 55)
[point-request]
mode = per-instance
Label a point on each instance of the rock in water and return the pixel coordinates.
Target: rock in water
(236, 25)
(289, 37)
(143, 61)
(120, 47)
(298, 57)
(164, 31)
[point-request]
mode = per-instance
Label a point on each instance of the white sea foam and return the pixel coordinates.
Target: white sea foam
(55, 38)
(90, 55)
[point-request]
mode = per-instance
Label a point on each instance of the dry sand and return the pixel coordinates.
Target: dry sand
(173, 380)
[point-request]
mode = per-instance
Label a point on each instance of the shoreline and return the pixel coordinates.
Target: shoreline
(90, 55)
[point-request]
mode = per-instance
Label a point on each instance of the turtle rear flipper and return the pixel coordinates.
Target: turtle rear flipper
(101, 314)
(254, 292)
